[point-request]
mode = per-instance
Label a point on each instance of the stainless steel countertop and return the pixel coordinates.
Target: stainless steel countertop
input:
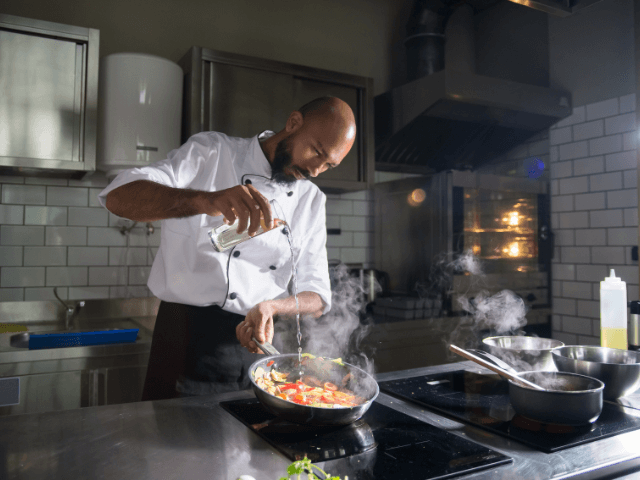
(194, 438)
(47, 316)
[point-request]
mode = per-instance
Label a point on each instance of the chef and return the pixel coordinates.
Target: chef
(213, 303)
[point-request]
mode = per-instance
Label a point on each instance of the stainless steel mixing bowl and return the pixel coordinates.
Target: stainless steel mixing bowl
(523, 353)
(618, 369)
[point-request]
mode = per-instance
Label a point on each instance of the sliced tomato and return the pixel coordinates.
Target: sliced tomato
(330, 386)
(269, 363)
(288, 386)
(301, 399)
(327, 399)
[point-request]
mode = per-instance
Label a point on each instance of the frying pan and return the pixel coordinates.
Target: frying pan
(359, 382)
(568, 398)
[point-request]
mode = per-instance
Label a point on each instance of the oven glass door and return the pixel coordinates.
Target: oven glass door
(503, 229)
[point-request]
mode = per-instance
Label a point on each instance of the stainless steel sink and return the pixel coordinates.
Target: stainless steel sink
(21, 340)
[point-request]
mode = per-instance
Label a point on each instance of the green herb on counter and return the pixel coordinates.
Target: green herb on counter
(301, 467)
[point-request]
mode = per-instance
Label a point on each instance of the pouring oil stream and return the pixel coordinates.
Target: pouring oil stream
(287, 231)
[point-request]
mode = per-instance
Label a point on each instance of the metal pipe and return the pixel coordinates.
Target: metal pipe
(425, 39)
(70, 311)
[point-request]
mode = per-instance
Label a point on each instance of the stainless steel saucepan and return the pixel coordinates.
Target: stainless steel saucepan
(359, 382)
(566, 398)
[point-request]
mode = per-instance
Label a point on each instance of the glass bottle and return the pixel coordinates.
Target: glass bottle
(226, 236)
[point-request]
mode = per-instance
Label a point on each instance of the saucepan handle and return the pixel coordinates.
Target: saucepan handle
(492, 366)
(266, 347)
(493, 359)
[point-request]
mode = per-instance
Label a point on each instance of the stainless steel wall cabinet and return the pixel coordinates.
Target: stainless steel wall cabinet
(48, 106)
(242, 96)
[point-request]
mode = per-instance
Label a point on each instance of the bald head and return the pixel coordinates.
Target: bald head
(331, 112)
(316, 138)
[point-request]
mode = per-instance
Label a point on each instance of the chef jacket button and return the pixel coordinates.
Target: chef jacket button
(236, 254)
(285, 231)
(247, 182)
(272, 267)
(289, 193)
(233, 296)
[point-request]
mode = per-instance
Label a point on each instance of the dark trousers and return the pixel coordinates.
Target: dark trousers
(195, 351)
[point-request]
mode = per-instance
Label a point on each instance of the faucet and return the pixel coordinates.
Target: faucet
(71, 311)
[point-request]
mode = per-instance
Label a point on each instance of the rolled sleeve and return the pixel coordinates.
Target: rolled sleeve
(313, 267)
(178, 170)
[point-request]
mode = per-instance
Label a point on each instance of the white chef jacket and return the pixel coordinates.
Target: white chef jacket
(188, 270)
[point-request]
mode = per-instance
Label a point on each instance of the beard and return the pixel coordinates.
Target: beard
(281, 160)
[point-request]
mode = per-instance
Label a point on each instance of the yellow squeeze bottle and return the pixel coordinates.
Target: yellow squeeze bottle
(613, 312)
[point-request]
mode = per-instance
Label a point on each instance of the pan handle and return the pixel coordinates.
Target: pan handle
(493, 359)
(266, 347)
(492, 366)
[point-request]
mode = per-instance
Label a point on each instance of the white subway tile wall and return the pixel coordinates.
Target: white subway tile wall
(594, 181)
(352, 213)
(54, 233)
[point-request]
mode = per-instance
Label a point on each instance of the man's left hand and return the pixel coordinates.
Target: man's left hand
(258, 323)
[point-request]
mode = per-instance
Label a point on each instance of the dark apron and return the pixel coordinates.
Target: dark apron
(195, 351)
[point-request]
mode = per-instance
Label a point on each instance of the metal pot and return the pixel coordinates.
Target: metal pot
(618, 369)
(528, 353)
(577, 401)
(568, 398)
(360, 382)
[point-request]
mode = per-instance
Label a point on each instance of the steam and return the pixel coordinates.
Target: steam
(440, 281)
(553, 381)
(503, 312)
(517, 362)
(338, 333)
(469, 263)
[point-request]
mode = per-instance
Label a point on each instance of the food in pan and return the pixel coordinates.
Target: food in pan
(307, 390)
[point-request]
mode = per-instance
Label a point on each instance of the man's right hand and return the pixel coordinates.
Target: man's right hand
(243, 202)
(258, 323)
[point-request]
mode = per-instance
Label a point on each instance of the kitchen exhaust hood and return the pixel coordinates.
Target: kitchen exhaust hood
(450, 117)
(559, 8)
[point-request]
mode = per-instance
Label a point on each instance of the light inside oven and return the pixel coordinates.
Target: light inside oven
(500, 225)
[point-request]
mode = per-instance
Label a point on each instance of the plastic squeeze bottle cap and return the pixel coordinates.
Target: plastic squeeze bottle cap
(612, 277)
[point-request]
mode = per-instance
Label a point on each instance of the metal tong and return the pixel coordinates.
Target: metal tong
(266, 347)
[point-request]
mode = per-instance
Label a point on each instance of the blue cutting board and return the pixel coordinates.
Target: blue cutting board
(78, 339)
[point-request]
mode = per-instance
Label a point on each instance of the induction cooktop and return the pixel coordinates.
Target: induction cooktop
(483, 400)
(384, 443)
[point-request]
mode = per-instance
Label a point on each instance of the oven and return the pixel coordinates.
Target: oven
(425, 228)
